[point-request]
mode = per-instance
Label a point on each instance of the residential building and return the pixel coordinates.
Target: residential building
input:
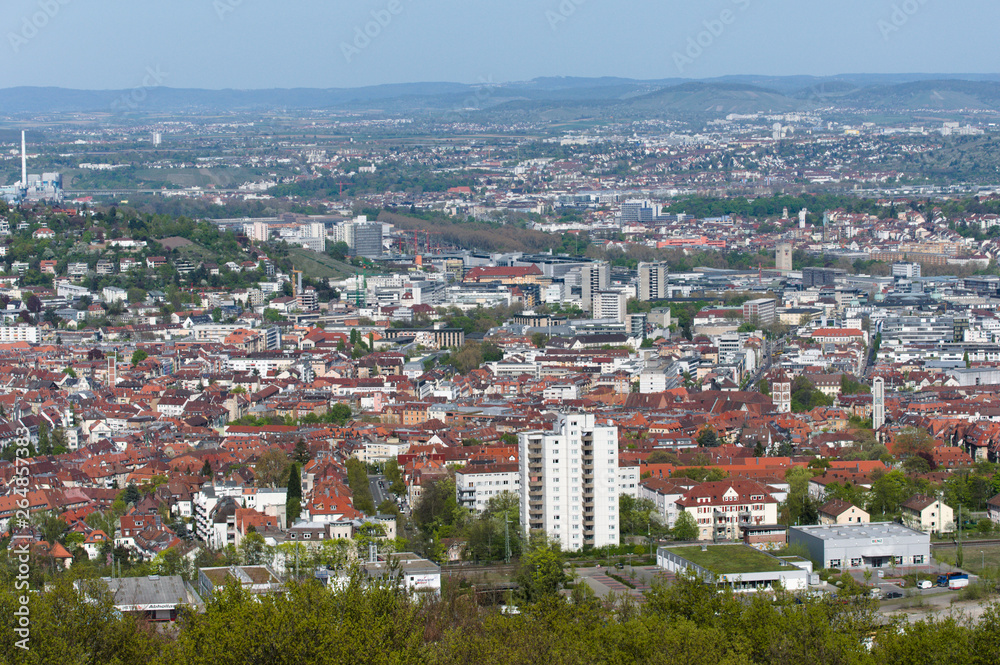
(9, 334)
(928, 513)
(653, 281)
(594, 278)
(569, 482)
(838, 511)
(475, 485)
(609, 305)
(720, 508)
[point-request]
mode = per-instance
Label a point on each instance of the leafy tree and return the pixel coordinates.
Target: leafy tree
(707, 438)
(138, 356)
(293, 502)
(701, 474)
(487, 535)
(662, 457)
(637, 516)
(132, 495)
(271, 468)
(437, 510)
(339, 414)
(913, 441)
(59, 442)
(206, 470)
(889, 491)
(272, 315)
(301, 454)
(136, 295)
(44, 444)
(540, 574)
(252, 549)
(357, 478)
(685, 527)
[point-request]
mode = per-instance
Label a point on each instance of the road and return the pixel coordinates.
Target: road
(379, 494)
(766, 362)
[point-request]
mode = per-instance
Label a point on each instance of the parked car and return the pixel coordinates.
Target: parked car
(891, 595)
(924, 584)
(620, 566)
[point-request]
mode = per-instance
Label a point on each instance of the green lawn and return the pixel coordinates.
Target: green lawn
(319, 265)
(728, 559)
(974, 556)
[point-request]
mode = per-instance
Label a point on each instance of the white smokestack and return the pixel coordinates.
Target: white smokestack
(24, 161)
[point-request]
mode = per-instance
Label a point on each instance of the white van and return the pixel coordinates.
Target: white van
(924, 584)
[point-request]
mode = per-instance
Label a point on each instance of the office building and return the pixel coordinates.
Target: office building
(593, 278)
(652, 281)
(569, 482)
(639, 211)
(759, 311)
(907, 270)
(635, 324)
(609, 305)
(364, 238)
(783, 257)
(818, 277)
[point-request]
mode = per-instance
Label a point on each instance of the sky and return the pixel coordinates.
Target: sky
(244, 44)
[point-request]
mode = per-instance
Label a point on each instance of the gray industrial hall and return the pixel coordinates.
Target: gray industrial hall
(875, 545)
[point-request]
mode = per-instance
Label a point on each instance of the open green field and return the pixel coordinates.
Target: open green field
(728, 559)
(976, 558)
(319, 266)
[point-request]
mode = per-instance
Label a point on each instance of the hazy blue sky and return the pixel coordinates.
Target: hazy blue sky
(311, 43)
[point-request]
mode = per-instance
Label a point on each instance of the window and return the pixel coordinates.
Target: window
(918, 558)
(834, 563)
(855, 563)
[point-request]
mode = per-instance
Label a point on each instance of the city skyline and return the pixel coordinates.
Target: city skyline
(234, 44)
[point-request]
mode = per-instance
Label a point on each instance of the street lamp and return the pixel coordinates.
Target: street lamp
(983, 567)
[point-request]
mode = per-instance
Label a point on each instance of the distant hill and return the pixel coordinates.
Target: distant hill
(551, 97)
(941, 95)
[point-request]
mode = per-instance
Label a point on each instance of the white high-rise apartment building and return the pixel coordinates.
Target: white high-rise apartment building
(653, 281)
(569, 482)
(609, 305)
(593, 278)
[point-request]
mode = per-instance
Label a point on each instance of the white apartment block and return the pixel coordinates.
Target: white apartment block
(609, 305)
(10, 334)
(569, 482)
(476, 486)
(628, 480)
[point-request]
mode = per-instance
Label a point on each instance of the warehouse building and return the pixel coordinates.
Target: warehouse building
(874, 545)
